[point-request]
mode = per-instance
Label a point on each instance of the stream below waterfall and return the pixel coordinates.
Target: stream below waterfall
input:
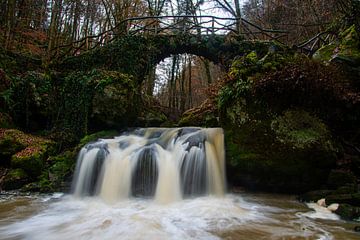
(160, 183)
(235, 216)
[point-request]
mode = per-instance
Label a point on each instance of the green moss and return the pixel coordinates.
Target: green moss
(301, 130)
(8, 147)
(199, 117)
(25, 151)
(15, 144)
(346, 51)
(116, 101)
(258, 160)
(325, 53)
(31, 160)
(97, 135)
(350, 37)
(251, 58)
(60, 172)
(15, 179)
(152, 119)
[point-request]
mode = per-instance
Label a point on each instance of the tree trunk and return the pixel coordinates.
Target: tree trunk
(189, 84)
(207, 71)
(9, 23)
(151, 81)
(238, 16)
(172, 91)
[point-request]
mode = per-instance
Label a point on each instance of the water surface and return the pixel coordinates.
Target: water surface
(235, 216)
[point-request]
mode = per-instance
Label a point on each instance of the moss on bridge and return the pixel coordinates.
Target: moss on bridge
(135, 54)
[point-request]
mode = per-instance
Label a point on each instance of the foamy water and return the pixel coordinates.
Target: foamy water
(230, 217)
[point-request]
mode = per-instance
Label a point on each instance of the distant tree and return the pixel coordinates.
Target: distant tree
(303, 18)
(232, 7)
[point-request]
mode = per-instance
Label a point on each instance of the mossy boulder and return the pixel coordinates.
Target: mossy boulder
(57, 176)
(25, 151)
(314, 196)
(152, 119)
(15, 179)
(31, 159)
(97, 135)
(348, 212)
(10, 143)
(300, 130)
(353, 199)
(292, 153)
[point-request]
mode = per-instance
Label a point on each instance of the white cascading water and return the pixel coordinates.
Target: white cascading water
(167, 163)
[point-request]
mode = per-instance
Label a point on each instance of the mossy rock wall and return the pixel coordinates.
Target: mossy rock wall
(261, 158)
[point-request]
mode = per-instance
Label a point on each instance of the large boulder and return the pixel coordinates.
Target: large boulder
(31, 159)
(14, 179)
(293, 153)
(10, 143)
(348, 212)
(26, 155)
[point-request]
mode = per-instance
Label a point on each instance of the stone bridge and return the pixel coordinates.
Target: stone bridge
(137, 44)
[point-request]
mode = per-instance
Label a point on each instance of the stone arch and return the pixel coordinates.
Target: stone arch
(135, 54)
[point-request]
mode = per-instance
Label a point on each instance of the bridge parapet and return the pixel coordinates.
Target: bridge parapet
(206, 25)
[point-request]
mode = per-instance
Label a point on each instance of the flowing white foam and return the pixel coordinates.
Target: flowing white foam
(229, 217)
(320, 212)
(174, 162)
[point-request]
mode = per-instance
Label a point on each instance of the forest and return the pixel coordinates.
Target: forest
(280, 77)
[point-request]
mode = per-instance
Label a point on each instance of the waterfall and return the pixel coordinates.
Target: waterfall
(168, 164)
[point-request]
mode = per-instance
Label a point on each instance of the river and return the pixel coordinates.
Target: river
(235, 216)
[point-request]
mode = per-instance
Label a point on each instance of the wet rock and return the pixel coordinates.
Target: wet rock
(321, 202)
(97, 135)
(195, 140)
(353, 199)
(333, 207)
(151, 118)
(347, 189)
(313, 196)
(348, 212)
